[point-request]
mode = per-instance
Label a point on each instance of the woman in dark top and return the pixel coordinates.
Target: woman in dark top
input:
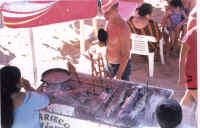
(143, 25)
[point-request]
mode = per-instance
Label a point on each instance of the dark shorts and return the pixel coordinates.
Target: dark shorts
(191, 83)
(113, 68)
(192, 88)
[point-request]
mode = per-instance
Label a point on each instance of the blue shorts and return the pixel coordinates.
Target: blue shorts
(113, 68)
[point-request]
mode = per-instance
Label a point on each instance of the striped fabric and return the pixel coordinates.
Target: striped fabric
(152, 29)
(33, 13)
(107, 5)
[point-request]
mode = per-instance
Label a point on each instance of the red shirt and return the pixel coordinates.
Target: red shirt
(191, 61)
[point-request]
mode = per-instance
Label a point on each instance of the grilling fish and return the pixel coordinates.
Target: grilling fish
(133, 104)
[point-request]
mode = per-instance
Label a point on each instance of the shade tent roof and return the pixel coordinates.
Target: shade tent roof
(31, 13)
(127, 8)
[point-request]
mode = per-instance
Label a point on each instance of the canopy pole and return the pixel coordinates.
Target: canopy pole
(94, 24)
(82, 37)
(33, 56)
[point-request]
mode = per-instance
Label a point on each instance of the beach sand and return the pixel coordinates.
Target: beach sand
(55, 43)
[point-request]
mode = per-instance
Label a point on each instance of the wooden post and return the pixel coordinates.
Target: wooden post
(82, 37)
(33, 57)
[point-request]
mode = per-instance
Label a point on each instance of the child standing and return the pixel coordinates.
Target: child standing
(175, 19)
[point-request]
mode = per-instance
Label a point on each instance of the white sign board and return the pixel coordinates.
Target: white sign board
(52, 120)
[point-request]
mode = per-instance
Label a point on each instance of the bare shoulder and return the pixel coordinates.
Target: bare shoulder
(18, 98)
(123, 27)
(124, 33)
(19, 95)
(192, 4)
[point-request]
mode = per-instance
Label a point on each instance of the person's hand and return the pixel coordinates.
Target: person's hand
(181, 82)
(21, 83)
(118, 77)
(24, 83)
(27, 83)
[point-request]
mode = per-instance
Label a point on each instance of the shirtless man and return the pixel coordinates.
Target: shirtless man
(118, 43)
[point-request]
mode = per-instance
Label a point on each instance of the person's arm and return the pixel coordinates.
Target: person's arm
(183, 55)
(24, 83)
(125, 47)
(192, 5)
(27, 86)
(164, 19)
(158, 32)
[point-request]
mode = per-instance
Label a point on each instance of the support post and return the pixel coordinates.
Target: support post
(82, 37)
(33, 57)
(95, 27)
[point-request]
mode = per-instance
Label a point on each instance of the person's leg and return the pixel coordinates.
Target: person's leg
(172, 39)
(166, 40)
(127, 71)
(176, 43)
(186, 100)
(178, 38)
(167, 35)
(194, 95)
(186, 104)
(184, 31)
(112, 68)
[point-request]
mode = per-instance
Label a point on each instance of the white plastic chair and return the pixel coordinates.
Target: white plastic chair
(140, 47)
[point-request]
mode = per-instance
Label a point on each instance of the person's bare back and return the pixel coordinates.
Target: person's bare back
(118, 41)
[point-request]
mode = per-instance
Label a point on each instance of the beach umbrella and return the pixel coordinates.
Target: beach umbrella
(34, 13)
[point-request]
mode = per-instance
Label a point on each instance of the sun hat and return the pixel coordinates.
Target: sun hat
(106, 5)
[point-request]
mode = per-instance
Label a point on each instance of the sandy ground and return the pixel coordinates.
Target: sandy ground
(53, 43)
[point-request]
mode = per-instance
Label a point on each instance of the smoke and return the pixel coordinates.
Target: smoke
(150, 114)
